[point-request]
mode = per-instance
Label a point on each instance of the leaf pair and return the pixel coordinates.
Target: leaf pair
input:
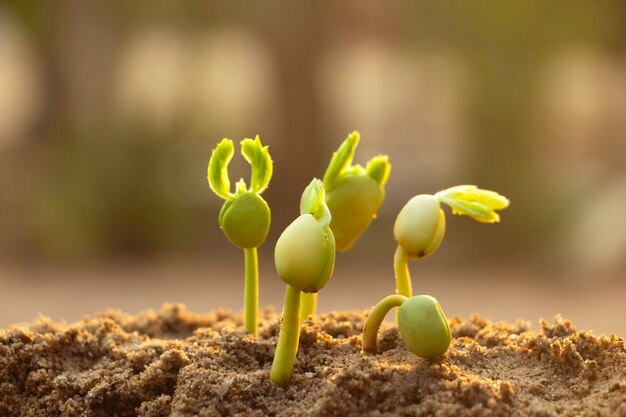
(469, 200)
(377, 168)
(245, 216)
(257, 156)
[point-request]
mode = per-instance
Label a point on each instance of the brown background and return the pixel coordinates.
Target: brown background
(109, 111)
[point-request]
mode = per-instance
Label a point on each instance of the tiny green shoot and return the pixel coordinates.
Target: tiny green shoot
(423, 325)
(245, 216)
(353, 195)
(421, 224)
(305, 258)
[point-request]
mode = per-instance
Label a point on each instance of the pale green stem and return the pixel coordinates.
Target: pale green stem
(251, 292)
(288, 338)
(308, 305)
(403, 278)
(375, 319)
(401, 268)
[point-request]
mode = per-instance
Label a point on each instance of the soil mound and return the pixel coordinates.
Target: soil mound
(174, 362)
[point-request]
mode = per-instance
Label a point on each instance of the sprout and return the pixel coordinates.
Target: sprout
(421, 224)
(353, 196)
(245, 216)
(305, 259)
(423, 325)
(353, 193)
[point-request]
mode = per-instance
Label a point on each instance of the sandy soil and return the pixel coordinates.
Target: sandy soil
(174, 362)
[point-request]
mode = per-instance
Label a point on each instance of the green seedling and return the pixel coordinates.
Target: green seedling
(353, 195)
(305, 258)
(421, 224)
(423, 325)
(245, 216)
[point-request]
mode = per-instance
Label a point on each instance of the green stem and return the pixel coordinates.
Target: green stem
(403, 278)
(401, 268)
(375, 319)
(288, 338)
(251, 291)
(308, 305)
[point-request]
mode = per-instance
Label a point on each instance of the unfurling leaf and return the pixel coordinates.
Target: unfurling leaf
(469, 200)
(218, 168)
(313, 202)
(378, 169)
(341, 159)
(354, 193)
(259, 158)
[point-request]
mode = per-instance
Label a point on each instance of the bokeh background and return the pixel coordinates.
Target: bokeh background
(109, 111)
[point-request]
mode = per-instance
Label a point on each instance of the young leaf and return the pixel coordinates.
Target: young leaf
(473, 209)
(479, 204)
(378, 169)
(240, 186)
(259, 158)
(473, 193)
(313, 202)
(341, 159)
(218, 168)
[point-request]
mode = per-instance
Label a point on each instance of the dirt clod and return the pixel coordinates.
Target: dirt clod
(177, 363)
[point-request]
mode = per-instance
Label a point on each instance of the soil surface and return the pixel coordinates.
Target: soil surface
(177, 363)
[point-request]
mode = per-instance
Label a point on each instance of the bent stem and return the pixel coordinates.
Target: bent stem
(401, 269)
(251, 291)
(287, 346)
(403, 278)
(375, 319)
(308, 305)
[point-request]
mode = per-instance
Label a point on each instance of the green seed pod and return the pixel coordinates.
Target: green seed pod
(420, 226)
(245, 220)
(424, 327)
(353, 202)
(305, 254)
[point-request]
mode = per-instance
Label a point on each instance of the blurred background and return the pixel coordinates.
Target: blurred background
(109, 111)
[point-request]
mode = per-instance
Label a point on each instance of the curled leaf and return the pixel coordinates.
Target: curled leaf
(259, 159)
(469, 200)
(313, 202)
(378, 169)
(473, 193)
(475, 210)
(217, 171)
